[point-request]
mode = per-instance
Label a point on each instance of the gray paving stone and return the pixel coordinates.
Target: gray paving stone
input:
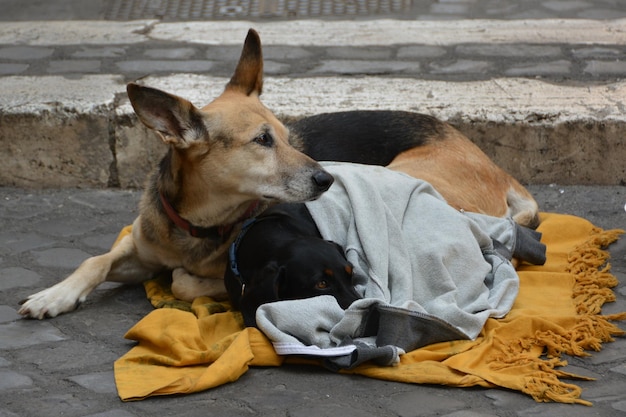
(347, 52)
(620, 406)
(620, 369)
(421, 51)
(54, 357)
(364, 67)
(563, 6)
(11, 380)
(23, 206)
(66, 226)
(449, 8)
(90, 66)
(99, 382)
(60, 257)
(19, 242)
(577, 370)
(508, 399)
(106, 200)
(275, 68)
(152, 66)
(14, 277)
(100, 52)
(101, 241)
(597, 52)
(616, 353)
(170, 53)
(618, 306)
(597, 391)
(509, 50)
(226, 52)
(281, 53)
(21, 53)
(8, 314)
(532, 14)
(117, 412)
(468, 413)
(423, 402)
(22, 333)
(62, 404)
(556, 410)
(460, 66)
(554, 67)
(495, 9)
(439, 17)
(4, 362)
(328, 410)
(602, 14)
(12, 69)
(598, 68)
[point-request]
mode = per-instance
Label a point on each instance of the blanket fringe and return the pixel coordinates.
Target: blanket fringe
(546, 387)
(592, 289)
(594, 280)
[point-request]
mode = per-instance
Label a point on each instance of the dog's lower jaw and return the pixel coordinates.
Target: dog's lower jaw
(187, 287)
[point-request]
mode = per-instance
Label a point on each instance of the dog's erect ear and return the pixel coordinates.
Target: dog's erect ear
(248, 76)
(174, 118)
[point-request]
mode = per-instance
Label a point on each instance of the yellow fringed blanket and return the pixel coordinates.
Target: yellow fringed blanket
(190, 348)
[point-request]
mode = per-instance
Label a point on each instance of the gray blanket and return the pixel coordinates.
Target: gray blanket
(427, 272)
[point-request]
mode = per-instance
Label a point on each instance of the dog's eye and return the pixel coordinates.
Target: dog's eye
(321, 285)
(264, 139)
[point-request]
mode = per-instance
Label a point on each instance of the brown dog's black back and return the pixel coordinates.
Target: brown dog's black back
(373, 137)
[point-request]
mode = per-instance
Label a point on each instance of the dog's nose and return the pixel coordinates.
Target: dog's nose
(323, 180)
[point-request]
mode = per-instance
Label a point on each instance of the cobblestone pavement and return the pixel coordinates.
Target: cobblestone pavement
(63, 366)
(555, 62)
(561, 62)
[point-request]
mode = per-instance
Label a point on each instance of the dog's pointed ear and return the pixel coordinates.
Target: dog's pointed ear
(175, 119)
(248, 76)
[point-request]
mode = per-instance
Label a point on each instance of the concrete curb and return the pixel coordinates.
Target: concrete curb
(56, 132)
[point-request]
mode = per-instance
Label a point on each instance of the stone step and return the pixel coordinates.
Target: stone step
(57, 132)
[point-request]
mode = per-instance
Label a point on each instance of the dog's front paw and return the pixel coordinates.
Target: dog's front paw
(48, 303)
(187, 287)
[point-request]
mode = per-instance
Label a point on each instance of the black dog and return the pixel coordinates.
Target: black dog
(371, 137)
(281, 255)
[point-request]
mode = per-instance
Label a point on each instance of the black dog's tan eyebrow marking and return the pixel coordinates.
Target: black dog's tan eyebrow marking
(329, 272)
(348, 269)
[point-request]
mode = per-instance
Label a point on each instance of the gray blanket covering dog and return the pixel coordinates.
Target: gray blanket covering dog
(427, 272)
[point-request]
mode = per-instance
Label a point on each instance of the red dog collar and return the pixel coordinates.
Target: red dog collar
(204, 232)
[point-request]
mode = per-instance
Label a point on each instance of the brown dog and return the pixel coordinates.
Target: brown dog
(226, 162)
(231, 159)
(468, 179)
